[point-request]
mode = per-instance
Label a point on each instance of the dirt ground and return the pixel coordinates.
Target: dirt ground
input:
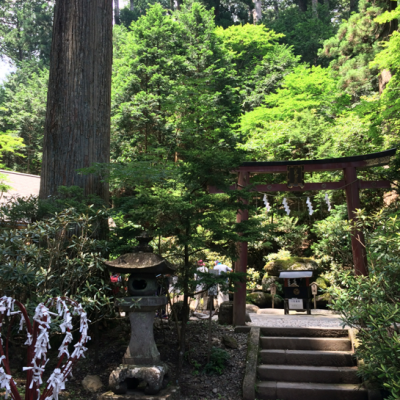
(105, 355)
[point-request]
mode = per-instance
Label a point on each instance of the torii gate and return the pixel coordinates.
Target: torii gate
(295, 171)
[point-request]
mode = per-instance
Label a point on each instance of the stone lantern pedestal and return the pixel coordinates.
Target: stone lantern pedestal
(141, 374)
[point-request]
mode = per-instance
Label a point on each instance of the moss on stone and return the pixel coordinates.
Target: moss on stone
(289, 263)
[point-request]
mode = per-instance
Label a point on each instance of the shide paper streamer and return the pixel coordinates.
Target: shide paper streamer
(328, 202)
(285, 205)
(267, 205)
(309, 205)
(38, 352)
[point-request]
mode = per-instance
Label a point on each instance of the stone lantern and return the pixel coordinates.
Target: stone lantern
(141, 363)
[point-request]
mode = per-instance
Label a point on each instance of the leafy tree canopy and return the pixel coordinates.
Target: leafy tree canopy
(25, 30)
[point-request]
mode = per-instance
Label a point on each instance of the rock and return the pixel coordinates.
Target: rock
(322, 283)
(225, 315)
(229, 342)
(150, 377)
(247, 318)
(289, 264)
(251, 308)
(177, 308)
(215, 391)
(263, 300)
(92, 383)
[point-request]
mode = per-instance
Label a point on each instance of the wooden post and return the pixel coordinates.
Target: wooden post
(273, 293)
(357, 237)
(239, 298)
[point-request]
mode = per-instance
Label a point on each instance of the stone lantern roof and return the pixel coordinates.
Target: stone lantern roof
(141, 260)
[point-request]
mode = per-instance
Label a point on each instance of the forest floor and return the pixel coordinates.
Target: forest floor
(106, 355)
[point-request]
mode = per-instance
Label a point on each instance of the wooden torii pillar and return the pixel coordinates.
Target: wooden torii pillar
(351, 184)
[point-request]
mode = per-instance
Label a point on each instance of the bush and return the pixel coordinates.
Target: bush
(333, 238)
(371, 303)
(54, 257)
(218, 360)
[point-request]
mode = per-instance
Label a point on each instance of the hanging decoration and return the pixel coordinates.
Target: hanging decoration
(309, 205)
(328, 202)
(38, 345)
(285, 205)
(267, 205)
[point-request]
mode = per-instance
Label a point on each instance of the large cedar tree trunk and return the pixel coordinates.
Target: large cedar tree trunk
(257, 13)
(77, 128)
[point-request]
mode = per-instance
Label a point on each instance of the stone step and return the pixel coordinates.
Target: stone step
(308, 357)
(309, 391)
(305, 343)
(305, 332)
(307, 373)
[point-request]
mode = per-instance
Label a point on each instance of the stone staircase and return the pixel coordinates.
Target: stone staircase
(307, 363)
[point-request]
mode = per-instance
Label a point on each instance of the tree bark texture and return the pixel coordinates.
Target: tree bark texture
(257, 13)
(314, 8)
(77, 127)
(116, 12)
(131, 5)
(302, 5)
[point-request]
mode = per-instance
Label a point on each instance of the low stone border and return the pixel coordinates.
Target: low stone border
(170, 393)
(249, 381)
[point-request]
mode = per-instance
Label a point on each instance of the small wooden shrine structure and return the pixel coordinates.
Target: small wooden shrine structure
(295, 173)
(296, 290)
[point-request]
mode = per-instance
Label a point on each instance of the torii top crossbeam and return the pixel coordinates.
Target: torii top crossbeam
(295, 182)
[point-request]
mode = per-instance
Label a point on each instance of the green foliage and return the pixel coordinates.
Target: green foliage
(305, 89)
(4, 187)
(218, 361)
(384, 112)
(371, 303)
(25, 30)
(333, 238)
(22, 115)
(355, 46)
(9, 143)
(32, 209)
(260, 62)
(253, 279)
(57, 256)
(302, 30)
(173, 139)
(228, 12)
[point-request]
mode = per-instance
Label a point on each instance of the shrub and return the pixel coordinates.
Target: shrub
(218, 361)
(371, 303)
(57, 256)
(333, 238)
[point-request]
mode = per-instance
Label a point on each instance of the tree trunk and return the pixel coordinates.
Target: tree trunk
(257, 14)
(315, 8)
(77, 127)
(131, 5)
(303, 5)
(116, 12)
(276, 8)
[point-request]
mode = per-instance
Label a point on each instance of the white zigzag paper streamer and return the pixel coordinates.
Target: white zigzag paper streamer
(328, 202)
(309, 205)
(267, 205)
(285, 205)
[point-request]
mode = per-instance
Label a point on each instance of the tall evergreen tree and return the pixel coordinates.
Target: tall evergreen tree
(355, 45)
(25, 30)
(77, 128)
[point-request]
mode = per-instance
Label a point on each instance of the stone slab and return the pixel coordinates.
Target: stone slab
(305, 343)
(309, 391)
(308, 357)
(305, 332)
(308, 373)
(249, 381)
(170, 393)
